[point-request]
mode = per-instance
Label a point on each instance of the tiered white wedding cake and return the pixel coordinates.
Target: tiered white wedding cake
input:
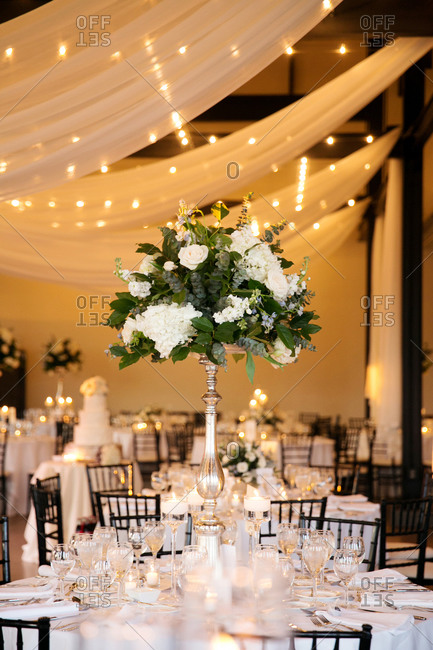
(94, 427)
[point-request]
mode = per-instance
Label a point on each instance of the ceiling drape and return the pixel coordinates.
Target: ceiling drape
(65, 116)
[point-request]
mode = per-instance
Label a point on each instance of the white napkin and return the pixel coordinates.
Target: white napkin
(25, 590)
(400, 599)
(32, 612)
(382, 577)
(357, 618)
(359, 508)
(46, 571)
(336, 499)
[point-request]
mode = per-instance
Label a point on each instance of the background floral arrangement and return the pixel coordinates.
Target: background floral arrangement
(94, 386)
(208, 286)
(10, 355)
(150, 413)
(63, 355)
(243, 460)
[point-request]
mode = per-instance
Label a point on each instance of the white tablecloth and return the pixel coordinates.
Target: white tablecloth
(75, 500)
(125, 438)
(23, 455)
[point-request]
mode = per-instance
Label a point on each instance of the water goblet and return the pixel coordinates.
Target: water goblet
(287, 570)
(159, 481)
(88, 550)
(229, 534)
(315, 555)
(303, 535)
(175, 512)
(137, 539)
(154, 534)
(287, 537)
(303, 482)
(329, 537)
(345, 568)
(355, 543)
(105, 535)
(75, 538)
(120, 558)
(62, 562)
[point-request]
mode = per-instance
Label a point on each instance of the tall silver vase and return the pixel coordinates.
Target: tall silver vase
(211, 478)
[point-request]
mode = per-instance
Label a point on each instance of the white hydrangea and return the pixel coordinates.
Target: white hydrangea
(235, 310)
(169, 266)
(146, 265)
(167, 325)
(139, 289)
(283, 354)
(129, 328)
(242, 467)
(262, 462)
(258, 263)
(243, 239)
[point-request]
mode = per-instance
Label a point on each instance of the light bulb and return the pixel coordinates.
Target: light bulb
(330, 140)
(251, 141)
(258, 392)
(52, 204)
(342, 49)
(351, 202)
(108, 204)
(182, 50)
(212, 139)
(164, 87)
(275, 203)
(369, 138)
(62, 50)
(184, 141)
(298, 208)
(289, 50)
(135, 204)
(367, 166)
(75, 138)
(9, 51)
(181, 133)
(152, 137)
(332, 168)
(27, 203)
(104, 169)
(15, 203)
(100, 224)
(79, 204)
(327, 4)
(316, 226)
(304, 160)
(172, 170)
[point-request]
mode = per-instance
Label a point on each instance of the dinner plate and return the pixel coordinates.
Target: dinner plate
(323, 595)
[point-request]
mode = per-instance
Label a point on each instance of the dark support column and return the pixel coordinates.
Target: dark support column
(412, 286)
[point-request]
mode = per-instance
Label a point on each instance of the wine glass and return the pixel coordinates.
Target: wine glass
(175, 512)
(137, 539)
(154, 534)
(302, 482)
(88, 550)
(257, 510)
(193, 556)
(287, 571)
(355, 543)
(105, 535)
(315, 555)
(329, 537)
(159, 481)
(62, 562)
(287, 537)
(120, 557)
(303, 536)
(75, 538)
(230, 532)
(345, 567)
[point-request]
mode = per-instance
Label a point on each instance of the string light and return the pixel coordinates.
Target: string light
(3, 167)
(15, 203)
(115, 55)
(289, 50)
(367, 166)
(169, 224)
(100, 224)
(27, 204)
(251, 141)
(184, 141)
(75, 138)
(327, 4)
(70, 169)
(332, 168)
(298, 208)
(351, 202)
(369, 139)
(299, 198)
(104, 169)
(330, 140)
(266, 224)
(164, 87)
(135, 204)
(342, 49)
(316, 226)
(182, 50)
(152, 137)
(181, 133)
(212, 139)
(235, 53)
(292, 225)
(80, 204)
(301, 182)
(275, 203)
(108, 204)
(52, 204)
(62, 50)
(9, 51)
(173, 170)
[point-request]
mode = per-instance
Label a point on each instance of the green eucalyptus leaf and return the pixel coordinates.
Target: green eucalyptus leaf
(129, 359)
(250, 367)
(202, 323)
(285, 335)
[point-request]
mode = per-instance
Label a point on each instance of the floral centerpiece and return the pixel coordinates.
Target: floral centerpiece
(10, 355)
(150, 413)
(209, 286)
(61, 356)
(94, 386)
(243, 459)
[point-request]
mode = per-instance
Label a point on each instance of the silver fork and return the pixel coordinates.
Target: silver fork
(321, 621)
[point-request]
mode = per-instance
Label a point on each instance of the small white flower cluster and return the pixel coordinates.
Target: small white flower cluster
(139, 289)
(284, 355)
(94, 386)
(260, 263)
(251, 458)
(235, 310)
(166, 325)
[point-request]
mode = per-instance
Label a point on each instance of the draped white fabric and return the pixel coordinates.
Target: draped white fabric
(87, 257)
(384, 372)
(135, 86)
(203, 172)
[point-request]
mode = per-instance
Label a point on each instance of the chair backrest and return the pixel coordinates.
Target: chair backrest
(102, 478)
(387, 482)
(427, 483)
(347, 478)
(49, 521)
(349, 527)
(402, 518)
(146, 446)
(296, 449)
(42, 625)
(357, 423)
(123, 522)
(5, 561)
(122, 504)
(308, 418)
(291, 510)
(323, 426)
(316, 638)
(179, 442)
(64, 435)
(348, 444)
(3, 446)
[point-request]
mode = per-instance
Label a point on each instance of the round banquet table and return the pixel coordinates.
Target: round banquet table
(23, 455)
(75, 500)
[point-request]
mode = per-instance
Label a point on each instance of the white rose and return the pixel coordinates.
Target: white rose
(192, 256)
(146, 265)
(139, 289)
(262, 462)
(277, 282)
(283, 354)
(242, 467)
(169, 266)
(250, 456)
(128, 330)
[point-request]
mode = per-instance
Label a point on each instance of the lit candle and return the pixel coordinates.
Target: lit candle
(152, 578)
(174, 507)
(12, 415)
(4, 412)
(257, 504)
(49, 402)
(194, 499)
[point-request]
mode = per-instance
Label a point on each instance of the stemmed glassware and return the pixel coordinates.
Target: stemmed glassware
(229, 534)
(159, 481)
(137, 539)
(315, 555)
(287, 571)
(329, 537)
(62, 562)
(355, 543)
(345, 567)
(89, 551)
(303, 536)
(175, 513)
(257, 510)
(75, 538)
(287, 537)
(120, 557)
(105, 535)
(303, 482)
